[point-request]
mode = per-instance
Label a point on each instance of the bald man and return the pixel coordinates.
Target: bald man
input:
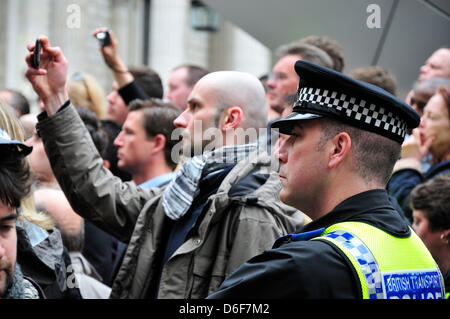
(437, 65)
(221, 209)
(222, 108)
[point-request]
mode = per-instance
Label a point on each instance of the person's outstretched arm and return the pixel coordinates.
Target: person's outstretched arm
(92, 190)
(129, 90)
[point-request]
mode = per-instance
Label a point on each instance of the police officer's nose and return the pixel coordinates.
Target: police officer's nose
(280, 151)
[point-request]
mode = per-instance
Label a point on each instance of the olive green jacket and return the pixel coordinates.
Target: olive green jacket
(231, 231)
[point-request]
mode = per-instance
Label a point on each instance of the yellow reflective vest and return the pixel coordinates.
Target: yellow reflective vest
(388, 267)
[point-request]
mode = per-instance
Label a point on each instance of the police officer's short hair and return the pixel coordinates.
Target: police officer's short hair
(371, 164)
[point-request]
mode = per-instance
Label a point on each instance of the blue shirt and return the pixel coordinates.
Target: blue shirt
(158, 181)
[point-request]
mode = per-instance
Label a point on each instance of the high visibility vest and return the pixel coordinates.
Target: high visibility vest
(388, 267)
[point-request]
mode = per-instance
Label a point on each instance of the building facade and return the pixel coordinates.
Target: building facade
(157, 33)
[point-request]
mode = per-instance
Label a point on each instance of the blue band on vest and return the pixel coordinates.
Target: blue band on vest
(401, 284)
(404, 284)
(365, 260)
(298, 237)
(308, 235)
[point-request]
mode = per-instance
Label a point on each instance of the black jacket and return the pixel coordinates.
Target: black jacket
(46, 264)
(403, 182)
(315, 268)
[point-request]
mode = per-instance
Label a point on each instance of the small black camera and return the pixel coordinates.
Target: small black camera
(36, 57)
(103, 38)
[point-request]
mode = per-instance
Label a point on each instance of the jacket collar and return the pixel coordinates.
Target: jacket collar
(372, 207)
(263, 190)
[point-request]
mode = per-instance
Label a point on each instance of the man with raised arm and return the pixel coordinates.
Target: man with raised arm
(221, 208)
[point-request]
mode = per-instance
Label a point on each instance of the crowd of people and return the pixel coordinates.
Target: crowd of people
(227, 185)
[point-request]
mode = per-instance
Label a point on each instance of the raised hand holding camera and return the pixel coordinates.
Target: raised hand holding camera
(103, 38)
(111, 56)
(49, 78)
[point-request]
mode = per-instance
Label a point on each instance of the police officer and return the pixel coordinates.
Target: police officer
(343, 139)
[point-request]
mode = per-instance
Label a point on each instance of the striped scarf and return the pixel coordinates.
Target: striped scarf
(182, 190)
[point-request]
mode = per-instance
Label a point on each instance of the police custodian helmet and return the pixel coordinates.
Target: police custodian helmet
(12, 149)
(323, 92)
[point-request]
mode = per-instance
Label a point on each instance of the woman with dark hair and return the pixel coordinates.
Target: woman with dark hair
(431, 212)
(432, 136)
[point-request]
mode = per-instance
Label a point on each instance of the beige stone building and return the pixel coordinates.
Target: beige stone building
(153, 32)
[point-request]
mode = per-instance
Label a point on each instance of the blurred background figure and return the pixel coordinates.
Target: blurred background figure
(437, 65)
(28, 122)
(181, 82)
(432, 136)
(330, 46)
(145, 78)
(16, 100)
(378, 76)
(283, 80)
(72, 230)
(85, 91)
(423, 91)
(100, 247)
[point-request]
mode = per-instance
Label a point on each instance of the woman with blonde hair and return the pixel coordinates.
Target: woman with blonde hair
(85, 91)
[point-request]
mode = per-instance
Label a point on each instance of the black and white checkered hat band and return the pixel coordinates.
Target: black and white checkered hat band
(354, 109)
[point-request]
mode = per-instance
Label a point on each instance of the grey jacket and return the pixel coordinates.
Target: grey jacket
(231, 230)
(87, 278)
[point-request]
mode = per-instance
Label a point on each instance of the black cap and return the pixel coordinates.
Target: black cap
(10, 148)
(323, 92)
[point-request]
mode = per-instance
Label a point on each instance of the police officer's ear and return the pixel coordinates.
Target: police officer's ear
(445, 236)
(339, 150)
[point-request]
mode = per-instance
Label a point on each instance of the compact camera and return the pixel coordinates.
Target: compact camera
(103, 38)
(36, 57)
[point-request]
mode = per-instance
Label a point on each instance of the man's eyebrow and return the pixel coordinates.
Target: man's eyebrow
(9, 217)
(192, 100)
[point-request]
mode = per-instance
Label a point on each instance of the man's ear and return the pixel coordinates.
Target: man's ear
(159, 141)
(445, 236)
(232, 117)
(341, 145)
